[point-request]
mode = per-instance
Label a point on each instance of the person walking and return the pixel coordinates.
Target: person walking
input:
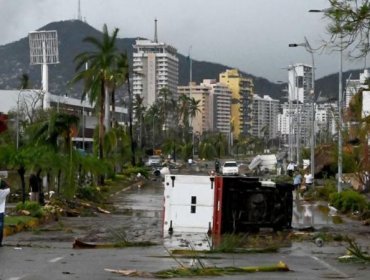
(308, 178)
(34, 188)
(297, 182)
(290, 168)
(4, 191)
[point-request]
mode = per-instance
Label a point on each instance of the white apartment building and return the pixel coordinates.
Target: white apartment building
(219, 113)
(300, 82)
(155, 66)
(353, 86)
(300, 91)
(264, 117)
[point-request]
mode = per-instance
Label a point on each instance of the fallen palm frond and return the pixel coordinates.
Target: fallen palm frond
(218, 271)
(79, 244)
(355, 253)
(204, 271)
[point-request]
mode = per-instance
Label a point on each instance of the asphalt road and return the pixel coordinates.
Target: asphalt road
(48, 253)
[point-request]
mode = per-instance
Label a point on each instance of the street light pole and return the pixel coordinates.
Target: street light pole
(310, 50)
(17, 130)
(340, 140)
(340, 121)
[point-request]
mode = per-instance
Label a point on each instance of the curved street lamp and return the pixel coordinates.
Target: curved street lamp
(340, 93)
(308, 48)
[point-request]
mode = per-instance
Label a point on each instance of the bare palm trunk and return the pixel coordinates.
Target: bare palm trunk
(21, 172)
(133, 158)
(106, 108)
(101, 134)
(113, 103)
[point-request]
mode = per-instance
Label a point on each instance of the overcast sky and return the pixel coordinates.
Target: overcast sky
(252, 35)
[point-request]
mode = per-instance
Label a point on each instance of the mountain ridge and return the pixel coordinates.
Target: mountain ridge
(15, 58)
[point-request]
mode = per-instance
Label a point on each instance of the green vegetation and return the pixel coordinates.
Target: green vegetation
(91, 193)
(349, 201)
(34, 208)
(18, 220)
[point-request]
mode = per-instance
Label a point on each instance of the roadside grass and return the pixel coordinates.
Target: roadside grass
(18, 220)
(119, 239)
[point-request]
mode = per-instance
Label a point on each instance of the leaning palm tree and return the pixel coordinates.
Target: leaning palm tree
(123, 72)
(165, 97)
(139, 110)
(98, 77)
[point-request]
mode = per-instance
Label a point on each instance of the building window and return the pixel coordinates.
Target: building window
(193, 204)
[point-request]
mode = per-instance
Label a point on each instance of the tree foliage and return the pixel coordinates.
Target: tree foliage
(350, 23)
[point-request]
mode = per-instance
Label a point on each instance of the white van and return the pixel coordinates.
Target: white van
(154, 161)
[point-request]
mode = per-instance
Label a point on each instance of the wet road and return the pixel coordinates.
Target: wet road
(48, 253)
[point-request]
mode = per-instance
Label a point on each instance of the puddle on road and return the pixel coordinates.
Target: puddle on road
(314, 214)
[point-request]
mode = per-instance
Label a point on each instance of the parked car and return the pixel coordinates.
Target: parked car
(154, 161)
(230, 168)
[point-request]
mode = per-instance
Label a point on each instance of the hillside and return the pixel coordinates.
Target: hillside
(15, 62)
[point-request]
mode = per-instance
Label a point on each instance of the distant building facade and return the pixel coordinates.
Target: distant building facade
(354, 85)
(219, 107)
(214, 106)
(155, 66)
(264, 117)
(200, 122)
(242, 89)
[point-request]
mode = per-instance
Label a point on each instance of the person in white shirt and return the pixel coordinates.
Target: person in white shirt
(4, 191)
(290, 168)
(308, 180)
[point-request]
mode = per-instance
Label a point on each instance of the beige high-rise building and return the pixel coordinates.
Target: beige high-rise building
(214, 106)
(200, 122)
(219, 111)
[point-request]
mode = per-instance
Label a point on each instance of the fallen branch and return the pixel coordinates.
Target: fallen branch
(204, 271)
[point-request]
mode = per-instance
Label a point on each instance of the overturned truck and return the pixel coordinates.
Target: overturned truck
(222, 204)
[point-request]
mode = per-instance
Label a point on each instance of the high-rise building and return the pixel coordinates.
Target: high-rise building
(300, 95)
(265, 122)
(200, 93)
(214, 106)
(300, 82)
(155, 66)
(219, 106)
(242, 89)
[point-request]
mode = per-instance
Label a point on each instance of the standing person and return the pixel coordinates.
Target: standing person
(217, 166)
(297, 181)
(290, 168)
(34, 187)
(4, 191)
(308, 180)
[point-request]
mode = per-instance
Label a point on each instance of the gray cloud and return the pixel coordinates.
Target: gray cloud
(248, 34)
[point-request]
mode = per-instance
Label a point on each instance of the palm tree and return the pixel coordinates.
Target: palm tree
(24, 81)
(98, 78)
(139, 110)
(152, 122)
(59, 125)
(165, 97)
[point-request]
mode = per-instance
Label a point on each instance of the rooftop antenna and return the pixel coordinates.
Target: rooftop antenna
(155, 31)
(79, 16)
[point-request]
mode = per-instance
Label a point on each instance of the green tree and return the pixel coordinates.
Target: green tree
(98, 77)
(350, 20)
(139, 110)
